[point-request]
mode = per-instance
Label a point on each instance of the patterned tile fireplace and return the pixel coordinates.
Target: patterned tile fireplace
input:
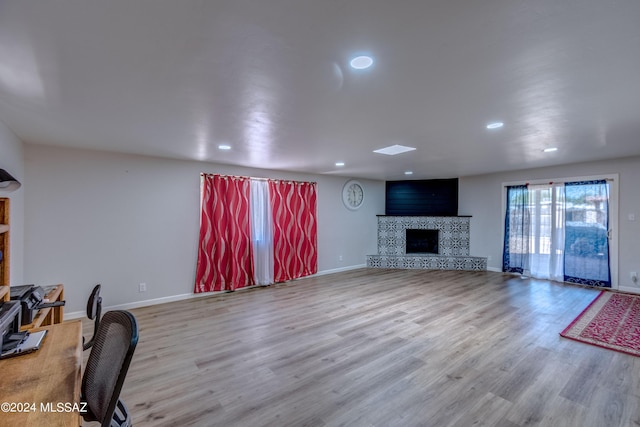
(449, 252)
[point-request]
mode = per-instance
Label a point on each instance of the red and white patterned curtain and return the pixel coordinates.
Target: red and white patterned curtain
(224, 251)
(295, 237)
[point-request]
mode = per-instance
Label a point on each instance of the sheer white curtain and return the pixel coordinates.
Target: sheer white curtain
(546, 239)
(261, 232)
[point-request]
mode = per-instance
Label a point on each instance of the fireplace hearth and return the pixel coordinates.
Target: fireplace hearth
(425, 242)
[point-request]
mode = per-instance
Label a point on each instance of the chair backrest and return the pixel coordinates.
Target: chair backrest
(94, 312)
(108, 364)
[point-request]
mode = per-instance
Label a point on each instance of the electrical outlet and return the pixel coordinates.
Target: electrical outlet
(339, 257)
(142, 287)
(634, 277)
(489, 258)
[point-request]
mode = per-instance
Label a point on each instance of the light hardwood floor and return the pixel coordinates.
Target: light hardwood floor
(377, 347)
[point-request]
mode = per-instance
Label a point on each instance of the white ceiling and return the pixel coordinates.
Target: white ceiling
(271, 79)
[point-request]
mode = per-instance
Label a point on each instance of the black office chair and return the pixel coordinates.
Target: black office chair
(107, 368)
(94, 310)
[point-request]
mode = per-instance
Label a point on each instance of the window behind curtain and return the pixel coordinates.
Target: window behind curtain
(255, 231)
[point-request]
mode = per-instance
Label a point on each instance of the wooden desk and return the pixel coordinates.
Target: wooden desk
(49, 375)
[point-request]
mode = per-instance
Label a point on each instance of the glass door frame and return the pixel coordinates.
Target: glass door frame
(614, 182)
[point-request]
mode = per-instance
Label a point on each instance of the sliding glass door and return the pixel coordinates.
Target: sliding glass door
(586, 259)
(559, 231)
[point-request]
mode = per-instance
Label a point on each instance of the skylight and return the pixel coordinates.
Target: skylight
(392, 150)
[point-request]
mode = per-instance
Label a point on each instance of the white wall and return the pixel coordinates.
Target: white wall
(481, 197)
(119, 220)
(11, 160)
(94, 217)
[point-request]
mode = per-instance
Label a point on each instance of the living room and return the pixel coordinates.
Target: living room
(122, 201)
(112, 195)
(111, 192)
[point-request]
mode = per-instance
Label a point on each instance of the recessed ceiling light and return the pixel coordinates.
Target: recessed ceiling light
(224, 147)
(408, 173)
(495, 125)
(339, 164)
(550, 149)
(392, 150)
(361, 62)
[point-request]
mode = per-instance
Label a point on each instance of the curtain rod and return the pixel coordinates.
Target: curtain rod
(257, 178)
(564, 182)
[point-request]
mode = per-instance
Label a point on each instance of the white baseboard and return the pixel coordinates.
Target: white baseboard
(494, 269)
(174, 298)
(630, 289)
(138, 304)
(338, 270)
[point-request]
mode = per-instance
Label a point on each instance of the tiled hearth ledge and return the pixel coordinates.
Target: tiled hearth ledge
(453, 244)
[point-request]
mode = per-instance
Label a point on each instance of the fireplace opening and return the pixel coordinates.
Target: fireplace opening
(421, 241)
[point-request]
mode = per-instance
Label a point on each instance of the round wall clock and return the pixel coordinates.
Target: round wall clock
(353, 194)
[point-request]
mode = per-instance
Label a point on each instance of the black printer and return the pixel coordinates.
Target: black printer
(9, 321)
(31, 299)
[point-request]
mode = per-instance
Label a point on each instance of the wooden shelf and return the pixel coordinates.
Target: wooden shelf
(4, 294)
(50, 315)
(4, 241)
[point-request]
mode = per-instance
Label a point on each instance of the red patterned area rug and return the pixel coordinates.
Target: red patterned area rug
(611, 321)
